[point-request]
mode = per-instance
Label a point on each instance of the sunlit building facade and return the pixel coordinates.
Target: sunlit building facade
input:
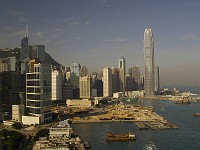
(149, 63)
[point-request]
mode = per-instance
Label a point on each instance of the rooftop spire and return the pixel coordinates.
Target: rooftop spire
(26, 31)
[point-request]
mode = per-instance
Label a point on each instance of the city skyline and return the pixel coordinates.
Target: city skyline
(95, 32)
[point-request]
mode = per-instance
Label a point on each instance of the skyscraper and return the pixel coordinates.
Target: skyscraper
(136, 77)
(38, 92)
(38, 51)
(157, 78)
(85, 85)
(24, 46)
(56, 85)
(122, 74)
(115, 78)
(107, 82)
(149, 63)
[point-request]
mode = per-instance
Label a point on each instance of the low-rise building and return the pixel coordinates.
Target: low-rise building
(17, 112)
(85, 103)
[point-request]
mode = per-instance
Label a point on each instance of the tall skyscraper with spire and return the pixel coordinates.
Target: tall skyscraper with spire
(149, 80)
(122, 74)
(24, 46)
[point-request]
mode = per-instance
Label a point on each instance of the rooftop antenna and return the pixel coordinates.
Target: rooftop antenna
(26, 32)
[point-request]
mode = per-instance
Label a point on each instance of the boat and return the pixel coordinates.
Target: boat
(197, 114)
(87, 145)
(120, 137)
(183, 102)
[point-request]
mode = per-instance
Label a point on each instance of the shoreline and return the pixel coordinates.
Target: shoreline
(143, 117)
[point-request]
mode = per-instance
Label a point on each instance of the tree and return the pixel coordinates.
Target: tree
(17, 125)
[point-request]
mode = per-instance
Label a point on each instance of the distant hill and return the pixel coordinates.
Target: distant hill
(50, 61)
(16, 53)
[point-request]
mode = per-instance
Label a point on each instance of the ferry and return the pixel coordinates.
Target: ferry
(120, 137)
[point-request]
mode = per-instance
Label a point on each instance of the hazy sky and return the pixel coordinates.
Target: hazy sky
(95, 32)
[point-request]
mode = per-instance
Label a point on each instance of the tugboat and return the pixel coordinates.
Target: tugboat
(87, 145)
(120, 137)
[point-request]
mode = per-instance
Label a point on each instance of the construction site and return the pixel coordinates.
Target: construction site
(145, 117)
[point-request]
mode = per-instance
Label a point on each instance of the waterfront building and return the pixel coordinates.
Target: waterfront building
(149, 63)
(17, 112)
(107, 82)
(56, 85)
(122, 74)
(157, 78)
(38, 51)
(24, 46)
(38, 93)
(62, 131)
(85, 85)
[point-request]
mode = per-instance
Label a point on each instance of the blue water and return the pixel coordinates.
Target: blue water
(187, 137)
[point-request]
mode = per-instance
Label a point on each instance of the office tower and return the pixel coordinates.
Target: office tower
(142, 82)
(128, 83)
(107, 82)
(84, 71)
(56, 85)
(99, 87)
(157, 78)
(85, 85)
(38, 92)
(12, 84)
(115, 78)
(122, 74)
(67, 91)
(136, 77)
(74, 78)
(38, 51)
(149, 63)
(12, 63)
(75, 68)
(8, 64)
(24, 47)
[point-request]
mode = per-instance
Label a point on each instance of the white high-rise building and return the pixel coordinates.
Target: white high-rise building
(38, 92)
(122, 74)
(149, 63)
(107, 82)
(56, 85)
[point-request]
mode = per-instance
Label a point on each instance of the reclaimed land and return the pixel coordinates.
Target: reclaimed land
(144, 117)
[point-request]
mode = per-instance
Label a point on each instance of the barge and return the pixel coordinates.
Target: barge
(120, 137)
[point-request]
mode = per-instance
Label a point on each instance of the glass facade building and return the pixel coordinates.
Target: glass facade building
(149, 63)
(38, 92)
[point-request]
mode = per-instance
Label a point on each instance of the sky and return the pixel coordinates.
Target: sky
(96, 32)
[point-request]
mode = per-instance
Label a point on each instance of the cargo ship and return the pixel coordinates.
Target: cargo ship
(120, 137)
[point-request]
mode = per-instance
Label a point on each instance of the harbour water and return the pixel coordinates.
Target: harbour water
(186, 137)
